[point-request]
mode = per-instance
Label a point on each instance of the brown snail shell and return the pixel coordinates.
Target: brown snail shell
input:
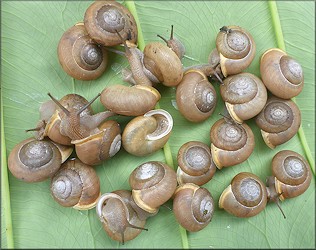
(244, 95)
(80, 56)
(130, 101)
(100, 146)
(292, 174)
(282, 75)
(193, 207)
(195, 96)
(163, 63)
(146, 134)
(279, 121)
(76, 185)
(195, 163)
(119, 219)
(33, 161)
(236, 49)
(153, 183)
(231, 143)
(103, 19)
(246, 196)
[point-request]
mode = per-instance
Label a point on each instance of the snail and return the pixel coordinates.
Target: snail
(174, 44)
(103, 19)
(281, 74)
(80, 56)
(163, 63)
(129, 101)
(236, 50)
(77, 126)
(279, 121)
(75, 185)
(195, 96)
(246, 196)
(102, 145)
(119, 219)
(33, 161)
(195, 164)
(153, 183)
(231, 143)
(148, 133)
(193, 207)
(244, 95)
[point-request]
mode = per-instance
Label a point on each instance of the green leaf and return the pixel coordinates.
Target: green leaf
(30, 69)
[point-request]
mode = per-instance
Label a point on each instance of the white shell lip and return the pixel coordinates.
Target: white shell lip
(168, 119)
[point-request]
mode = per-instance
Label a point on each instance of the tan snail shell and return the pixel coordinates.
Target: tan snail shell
(193, 207)
(146, 134)
(119, 219)
(279, 121)
(164, 63)
(80, 56)
(153, 183)
(244, 95)
(236, 49)
(103, 19)
(130, 101)
(231, 143)
(195, 164)
(100, 146)
(33, 161)
(281, 74)
(75, 185)
(195, 96)
(246, 196)
(292, 174)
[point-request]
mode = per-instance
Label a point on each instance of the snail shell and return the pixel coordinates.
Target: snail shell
(80, 56)
(146, 134)
(244, 95)
(231, 143)
(195, 163)
(76, 185)
(195, 96)
(236, 49)
(281, 74)
(100, 146)
(163, 63)
(153, 183)
(119, 219)
(34, 161)
(279, 121)
(130, 101)
(246, 196)
(103, 18)
(193, 207)
(292, 174)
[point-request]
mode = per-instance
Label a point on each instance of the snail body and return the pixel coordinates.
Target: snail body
(103, 19)
(75, 185)
(246, 196)
(146, 134)
(153, 183)
(80, 56)
(231, 143)
(193, 207)
(195, 164)
(281, 74)
(33, 161)
(102, 145)
(195, 96)
(130, 101)
(244, 94)
(279, 121)
(119, 219)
